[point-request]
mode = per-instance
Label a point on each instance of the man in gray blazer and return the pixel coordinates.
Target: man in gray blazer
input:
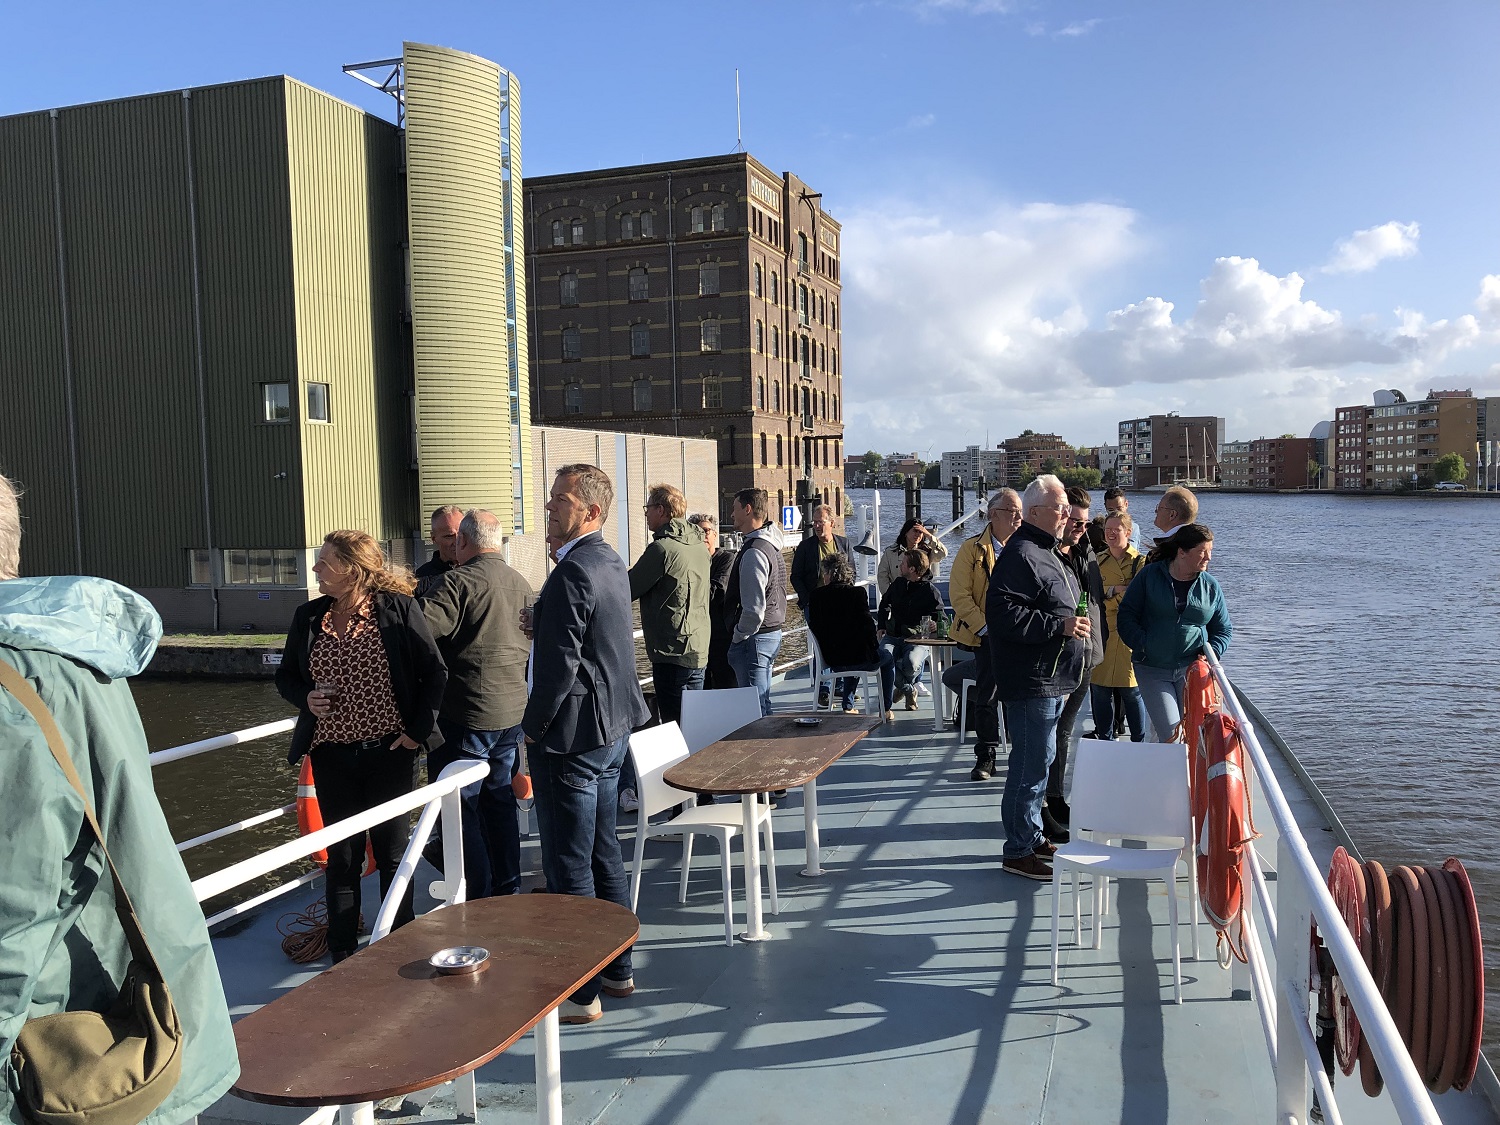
(585, 701)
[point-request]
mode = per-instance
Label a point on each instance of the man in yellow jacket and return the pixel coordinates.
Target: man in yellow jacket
(968, 583)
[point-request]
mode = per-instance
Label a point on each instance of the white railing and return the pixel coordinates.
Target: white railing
(1281, 977)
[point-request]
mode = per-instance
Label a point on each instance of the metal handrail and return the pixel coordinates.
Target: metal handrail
(1303, 896)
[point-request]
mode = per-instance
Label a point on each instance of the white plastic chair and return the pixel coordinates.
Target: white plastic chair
(963, 719)
(655, 750)
(874, 697)
(710, 714)
(1129, 790)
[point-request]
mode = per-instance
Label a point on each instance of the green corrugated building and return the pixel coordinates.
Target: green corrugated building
(237, 317)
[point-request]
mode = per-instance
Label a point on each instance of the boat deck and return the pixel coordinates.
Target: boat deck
(909, 983)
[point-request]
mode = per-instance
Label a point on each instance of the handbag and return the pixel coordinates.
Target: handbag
(97, 1068)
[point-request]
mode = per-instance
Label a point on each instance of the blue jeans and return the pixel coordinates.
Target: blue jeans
(1161, 692)
(1102, 699)
(752, 659)
(492, 835)
(669, 682)
(576, 797)
(1032, 724)
(908, 661)
(847, 685)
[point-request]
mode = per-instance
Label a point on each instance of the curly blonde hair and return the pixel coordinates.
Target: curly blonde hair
(358, 551)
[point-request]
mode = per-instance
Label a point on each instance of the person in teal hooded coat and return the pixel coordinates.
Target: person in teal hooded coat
(61, 946)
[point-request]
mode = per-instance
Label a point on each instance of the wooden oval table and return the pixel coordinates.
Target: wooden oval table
(774, 752)
(385, 1023)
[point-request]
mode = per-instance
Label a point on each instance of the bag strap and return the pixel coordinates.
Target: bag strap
(16, 684)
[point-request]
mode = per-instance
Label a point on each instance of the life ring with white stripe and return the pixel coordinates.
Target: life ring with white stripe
(310, 816)
(1221, 812)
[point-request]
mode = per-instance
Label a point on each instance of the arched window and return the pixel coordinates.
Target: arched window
(698, 223)
(757, 279)
(825, 404)
(708, 339)
(760, 336)
(557, 233)
(778, 449)
(648, 224)
(567, 290)
(577, 232)
(775, 342)
(640, 394)
(573, 398)
(836, 413)
(760, 393)
(838, 493)
(719, 218)
(708, 279)
(763, 459)
(640, 339)
(640, 285)
(801, 248)
(627, 226)
(775, 289)
(835, 361)
(572, 343)
(713, 393)
(833, 314)
(776, 399)
(801, 304)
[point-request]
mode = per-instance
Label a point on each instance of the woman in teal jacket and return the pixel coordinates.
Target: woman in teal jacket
(61, 946)
(1168, 612)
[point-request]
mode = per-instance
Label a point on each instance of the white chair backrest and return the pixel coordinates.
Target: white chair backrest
(708, 716)
(1130, 788)
(654, 751)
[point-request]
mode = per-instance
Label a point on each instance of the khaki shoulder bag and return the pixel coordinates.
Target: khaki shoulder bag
(93, 1068)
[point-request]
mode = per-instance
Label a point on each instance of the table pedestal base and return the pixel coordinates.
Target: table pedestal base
(755, 929)
(810, 830)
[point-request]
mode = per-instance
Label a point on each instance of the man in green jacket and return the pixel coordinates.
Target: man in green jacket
(670, 580)
(61, 946)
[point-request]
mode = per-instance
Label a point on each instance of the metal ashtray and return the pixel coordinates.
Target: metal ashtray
(458, 960)
(807, 721)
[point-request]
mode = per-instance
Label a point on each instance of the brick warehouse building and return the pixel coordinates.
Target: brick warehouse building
(697, 298)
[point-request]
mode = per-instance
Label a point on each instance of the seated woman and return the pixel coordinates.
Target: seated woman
(906, 601)
(913, 534)
(838, 613)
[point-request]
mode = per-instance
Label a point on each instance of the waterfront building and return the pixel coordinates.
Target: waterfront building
(240, 316)
(1393, 443)
(1167, 448)
(1234, 464)
(1105, 458)
(970, 465)
(1026, 454)
(697, 298)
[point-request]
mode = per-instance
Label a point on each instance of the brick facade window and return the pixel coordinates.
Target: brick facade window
(567, 290)
(640, 340)
(713, 393)
(719, 217)
(708, 279)
(640, 284)
(757, 275)
(627, 226)
(708, 339)
(577, 232)
(648, 224)
(572, 343)
(640, 394)
(573, 398)
(699, 224)
(558, 238)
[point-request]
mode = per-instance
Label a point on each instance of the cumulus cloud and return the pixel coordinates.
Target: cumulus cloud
(1365, 249)
(981, 322)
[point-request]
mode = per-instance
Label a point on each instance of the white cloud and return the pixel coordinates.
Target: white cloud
(930, 8)
(921, 121)
(1077, 28)
(1363, 250)
(981, 323)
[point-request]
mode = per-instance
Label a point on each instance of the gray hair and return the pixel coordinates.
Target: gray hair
(481, 528)
(703, 521)
(999, 496)
(1039, 490)
(592, 485)
(446, 510)
(10, 529)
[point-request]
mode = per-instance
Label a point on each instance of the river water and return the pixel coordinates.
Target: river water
(1365, 629)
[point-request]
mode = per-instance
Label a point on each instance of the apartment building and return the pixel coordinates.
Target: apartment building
(1393, 442)
(1169, 447)
(970, 465)
(1026, 454)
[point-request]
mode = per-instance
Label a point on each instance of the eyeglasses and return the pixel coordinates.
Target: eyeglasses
(1076, 522)
(1007, 512)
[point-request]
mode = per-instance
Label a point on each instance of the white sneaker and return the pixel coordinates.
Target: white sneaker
(922, 689)
(629, 802)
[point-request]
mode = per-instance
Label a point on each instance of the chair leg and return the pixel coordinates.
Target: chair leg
(963, 717)
(771, 866)
(687, 864)
(1172, 917)
(1100, 883)
(640, 857)
(1077, 911)
(1193, 911)
(1056, 893)
(728, 881)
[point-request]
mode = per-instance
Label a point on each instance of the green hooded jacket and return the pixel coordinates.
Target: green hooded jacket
(670, 580)
(61, 946)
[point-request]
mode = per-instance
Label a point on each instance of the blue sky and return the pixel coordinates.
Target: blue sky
(1057, 214)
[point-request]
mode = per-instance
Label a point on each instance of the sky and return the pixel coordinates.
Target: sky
(1057, 213)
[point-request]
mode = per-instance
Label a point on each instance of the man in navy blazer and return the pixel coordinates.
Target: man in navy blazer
(585, 700)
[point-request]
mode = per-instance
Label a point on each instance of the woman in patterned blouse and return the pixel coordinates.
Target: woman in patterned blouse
(361, 666)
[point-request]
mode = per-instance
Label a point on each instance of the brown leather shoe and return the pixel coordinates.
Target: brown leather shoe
(1029, 867)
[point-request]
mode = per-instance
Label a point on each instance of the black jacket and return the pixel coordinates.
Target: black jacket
(839, 617)
(418, 674)
(584, 689)
(429, 574)
(474, 613)
(807, 559)
(1032, 592)
(719, 568)
(905, 603)
(1084, 564)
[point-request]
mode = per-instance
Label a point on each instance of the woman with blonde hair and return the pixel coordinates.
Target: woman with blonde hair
(361, 666)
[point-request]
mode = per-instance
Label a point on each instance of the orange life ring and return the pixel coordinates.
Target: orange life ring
(310, 817)
(1221, 812)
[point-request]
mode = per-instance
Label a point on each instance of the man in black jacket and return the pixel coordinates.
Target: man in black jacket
(1037, 646)
(445, 524)
(807, 575)
(585, 701)
(720, 563)
(474, 611)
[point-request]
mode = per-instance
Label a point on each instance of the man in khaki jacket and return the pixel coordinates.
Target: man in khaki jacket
(968, 583)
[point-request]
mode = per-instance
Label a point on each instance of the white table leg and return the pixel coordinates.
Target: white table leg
(939, 656)
(754, 929)
(548, 1070)
(810, 827)
(361, 1113)
(466, 1094)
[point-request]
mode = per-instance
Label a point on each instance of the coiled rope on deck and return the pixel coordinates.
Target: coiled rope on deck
(304, 934)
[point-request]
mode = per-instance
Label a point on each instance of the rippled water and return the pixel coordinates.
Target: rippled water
(1365, 630)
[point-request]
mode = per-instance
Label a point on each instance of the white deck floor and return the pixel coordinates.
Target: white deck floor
(907, 984)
